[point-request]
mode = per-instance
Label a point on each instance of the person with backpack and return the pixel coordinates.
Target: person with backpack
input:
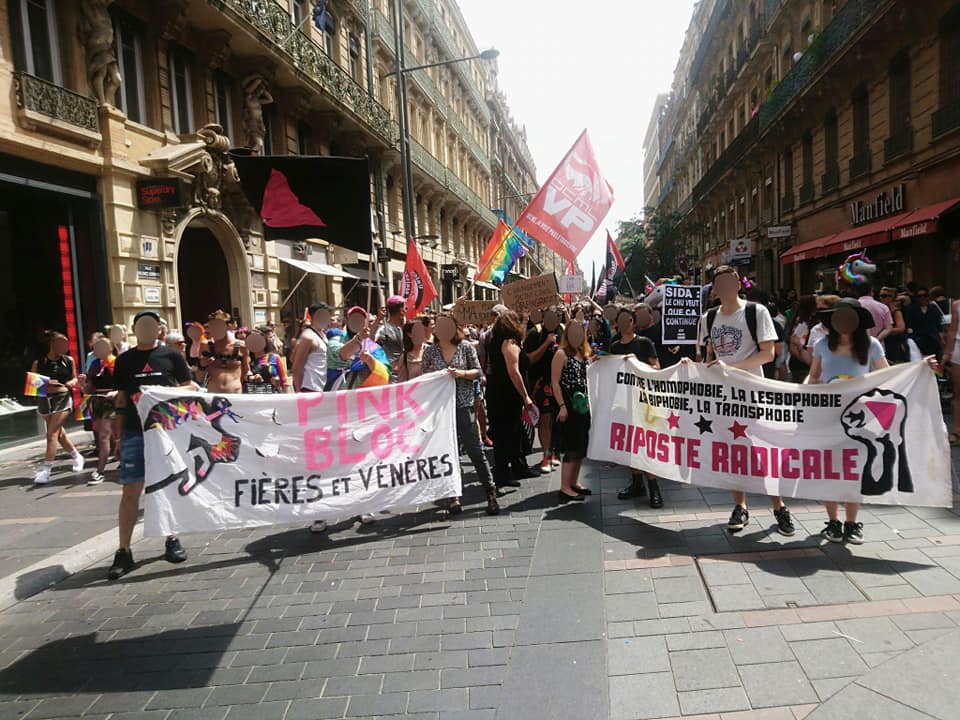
(740, 334)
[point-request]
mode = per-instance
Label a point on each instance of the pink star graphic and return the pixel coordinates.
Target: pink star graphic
(738, 429)
(674, 421)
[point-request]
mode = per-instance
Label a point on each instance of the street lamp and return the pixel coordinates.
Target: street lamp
(406, 164)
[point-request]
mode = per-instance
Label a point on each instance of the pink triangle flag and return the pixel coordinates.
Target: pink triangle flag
(281, 208)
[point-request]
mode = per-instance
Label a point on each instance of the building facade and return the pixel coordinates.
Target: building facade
(118, 192)
(813, 129)
(652, 152)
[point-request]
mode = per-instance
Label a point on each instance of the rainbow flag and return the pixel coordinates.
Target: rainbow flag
(36, 385)
(278, 368)
(380, 372)
(501, 253)
(84, 410)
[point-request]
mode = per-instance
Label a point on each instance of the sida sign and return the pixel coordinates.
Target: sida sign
(569, 208)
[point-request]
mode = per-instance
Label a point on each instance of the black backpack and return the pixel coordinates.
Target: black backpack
(751, 314)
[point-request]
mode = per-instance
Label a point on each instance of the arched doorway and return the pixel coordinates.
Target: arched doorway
(204, 277)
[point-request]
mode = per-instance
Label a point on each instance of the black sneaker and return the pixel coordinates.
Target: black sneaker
(833, 531)
(784, 523)
(122, 564)
(636, 488)
(174, 552)
(853, 532)
(738, 519)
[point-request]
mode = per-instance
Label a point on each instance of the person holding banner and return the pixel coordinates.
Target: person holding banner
(847, 352)
(411, 364)
(569, 373)
(55, 406)
(952, 355)
(149, 363)
(507, 398)
(643, 349)
(741, 335)
(452, 353)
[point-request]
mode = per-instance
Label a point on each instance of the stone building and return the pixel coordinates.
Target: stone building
(812, 129)
(116, 188)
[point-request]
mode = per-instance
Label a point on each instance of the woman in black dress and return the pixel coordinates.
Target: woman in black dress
(56, 406)
(572, 429)
(507, 397)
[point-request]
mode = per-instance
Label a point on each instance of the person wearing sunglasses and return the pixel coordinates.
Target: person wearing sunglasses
(925, 322)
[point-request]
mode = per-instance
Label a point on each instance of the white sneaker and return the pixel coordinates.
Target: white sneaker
(319, 526)
(78, 461)
(43, 476)
(95, 478)
(367, 519)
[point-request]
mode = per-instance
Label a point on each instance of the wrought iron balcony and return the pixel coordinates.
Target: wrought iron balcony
(720, 11)
(860, 164)
(806, 192)
(445, 178)
(836, 36)
(786, 203)
(735, 150)
(830, 180)
(46, 98)
(271, 20)
(945, 119)
(899, 143)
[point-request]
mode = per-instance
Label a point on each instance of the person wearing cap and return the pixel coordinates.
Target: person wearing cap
(149, 363)
(310, 352)
(847, 352)
(390, 334)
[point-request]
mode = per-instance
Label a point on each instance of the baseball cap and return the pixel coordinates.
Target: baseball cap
(356, 309)
(146, 313)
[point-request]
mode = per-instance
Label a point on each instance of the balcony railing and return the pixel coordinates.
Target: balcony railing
(735, 150)
(41, 96)
(830, 180)
(848, 21)
(860, 164)
(806, 192)
(720, 11)
(270, 19)
(898, 144)
(433, 167)
(945, 119)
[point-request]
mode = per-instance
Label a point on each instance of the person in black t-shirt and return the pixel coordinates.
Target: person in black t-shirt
(649, 326)
(643, 348)
(541, 345)
(149, 363)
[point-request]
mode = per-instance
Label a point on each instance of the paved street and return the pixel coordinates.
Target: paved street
(606, 609)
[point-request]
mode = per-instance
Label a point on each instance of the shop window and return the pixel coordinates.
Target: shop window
(223, 95)
(355, 58)
(181, 101)
(41, 52)
(128, 45)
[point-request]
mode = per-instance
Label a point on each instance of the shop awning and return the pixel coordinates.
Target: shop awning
(923, 221)
(318, 268)
(486, 285)
(857, 238)
(805, 251)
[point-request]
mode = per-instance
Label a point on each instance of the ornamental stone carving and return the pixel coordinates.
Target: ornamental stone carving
(96, 35)
(256, 94)
(215, 173)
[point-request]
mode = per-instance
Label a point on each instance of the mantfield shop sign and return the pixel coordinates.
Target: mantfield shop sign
(886, 203)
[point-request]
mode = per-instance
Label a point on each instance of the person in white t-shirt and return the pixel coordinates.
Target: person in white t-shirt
(741, 335)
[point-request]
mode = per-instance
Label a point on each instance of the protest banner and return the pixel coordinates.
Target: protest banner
(536, 293)
(877, 439)
(473, 312)
(680, 314)
(215, 462)
(571, 284)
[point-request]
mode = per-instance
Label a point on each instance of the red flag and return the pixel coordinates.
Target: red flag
(570, 270)
(569, 208)
(612, 249)
(417, 287)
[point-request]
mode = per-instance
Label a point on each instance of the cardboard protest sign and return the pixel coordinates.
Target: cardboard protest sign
(215, 462)
(535, 293)
(473, 312)
(571, 284)
(680, 314)
(877, 439)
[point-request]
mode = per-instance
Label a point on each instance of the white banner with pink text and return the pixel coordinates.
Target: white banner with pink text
(877, 439)
(215, 462)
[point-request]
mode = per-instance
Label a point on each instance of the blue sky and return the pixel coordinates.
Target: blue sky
(566, 65)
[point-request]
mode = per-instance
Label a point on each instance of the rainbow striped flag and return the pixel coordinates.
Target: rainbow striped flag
(501, 253)
(36, 385)
(84, 409)
(380, 372)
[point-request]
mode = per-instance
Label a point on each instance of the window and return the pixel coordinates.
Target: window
(788, 179)
(861, 121)
(831, 152)
(41, 53)
(806, 189)
(304, 138)
(900, 92)
(330, 35)
(267, 129)
(950, 58)
(298, 12)
(130, 98)
(223, 92)
(355, 58)
(181, 102)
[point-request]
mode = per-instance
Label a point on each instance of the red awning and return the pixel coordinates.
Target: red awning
(805, 251)
(923, 221)
(876, 233)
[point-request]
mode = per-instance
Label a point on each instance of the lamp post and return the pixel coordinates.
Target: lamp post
(403, 121)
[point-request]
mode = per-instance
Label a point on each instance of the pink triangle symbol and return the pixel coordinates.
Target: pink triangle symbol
(281, 208)
(883, 411)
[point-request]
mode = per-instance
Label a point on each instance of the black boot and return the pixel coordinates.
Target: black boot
(656, 499)
(493, 507)
(635, 489)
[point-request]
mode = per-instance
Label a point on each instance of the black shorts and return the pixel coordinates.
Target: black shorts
(53, 404)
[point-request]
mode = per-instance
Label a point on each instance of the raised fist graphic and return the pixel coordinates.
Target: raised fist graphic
(877, 419)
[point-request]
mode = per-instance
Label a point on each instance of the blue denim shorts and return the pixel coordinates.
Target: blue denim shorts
(131, 458)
